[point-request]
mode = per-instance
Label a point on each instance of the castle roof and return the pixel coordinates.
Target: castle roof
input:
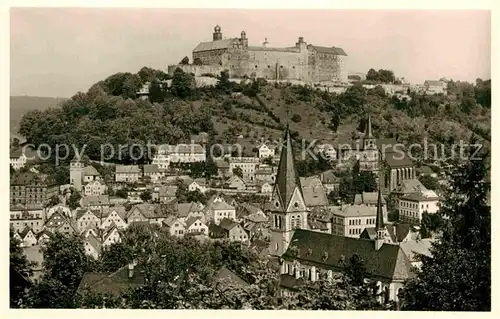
(214, 45)
(332, 50)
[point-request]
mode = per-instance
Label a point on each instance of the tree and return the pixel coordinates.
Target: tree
(185, 61)
(223, 83)
(364, 182)
(12, 171)
(122, 193)
(146, 196)
(238, 172)
(156, 92)
(74, 199)
(53, 201)
(458, 275)
(183, 84)
(429, 182)
(372, 75)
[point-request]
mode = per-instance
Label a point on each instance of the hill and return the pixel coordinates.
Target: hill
(20, 105)
(250, 112)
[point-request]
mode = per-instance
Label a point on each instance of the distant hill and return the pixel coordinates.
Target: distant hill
(20, 105)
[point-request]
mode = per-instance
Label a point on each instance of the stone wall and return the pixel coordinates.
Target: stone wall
(197, 70)
(211, 57)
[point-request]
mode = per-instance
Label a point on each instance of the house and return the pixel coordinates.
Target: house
(236, 182)
(351, 220)
(435, 87)
(92, 246)
(134, 194)
(175, 226)
(28, 237)
(228, 229)
(249, 212)
(412, 206)
(222, 168)
(186, 153)
(91, 230)
(127, 173)
(153, 172)
(95, 202)
(17, 158)
(166, 193)
(22, 216)
(43, 237)
(95, 188)
(266, 151)
(195, 225)
(409, 187)
(320, 219)
(264, 188)
(55, 221)
(398, 233)
(248, 166)
(114, 283)
(313, 191)
(370, 199)
(326, 150)
(219, 211)
(313, 255)
(62, 209)
(29, 188)
(67, 228)
(330, 182)
(88, 217)
(415, 249)
(265, 174)
(90, 174)
(150, 213)
(116, 215)
(190, 210)
(111, 236)
(199, 184)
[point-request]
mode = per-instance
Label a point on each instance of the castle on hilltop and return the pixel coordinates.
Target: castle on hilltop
(302, 62)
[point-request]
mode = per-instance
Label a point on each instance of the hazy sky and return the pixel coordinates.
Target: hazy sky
(59, 51)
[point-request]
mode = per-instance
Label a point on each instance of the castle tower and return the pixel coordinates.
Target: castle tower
(76, 174)
(217, 33)
(287, 207)
(244, 40)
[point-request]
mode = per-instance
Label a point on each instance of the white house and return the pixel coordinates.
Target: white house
(28, 237)
(248, 166)
(17, 158)
(199, 184)
(412, 206)
(127, 173)
(112, 236)
(92, 246)
(266, 151)
(196, 225)
(87, 217)
(223, 210)
(175, 226)
(265, 187)
(90, 174)
(115, 216)
(94, 188)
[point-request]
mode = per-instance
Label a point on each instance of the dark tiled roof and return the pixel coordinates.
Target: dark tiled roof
(332, 50)
(290, 282)
(397, 160)
(113, 283)
(213, 45)
(25, 232)
(227, 276)
(90, 171)
(150, 169)
(388, 262)
(367, 198)
(228, 224)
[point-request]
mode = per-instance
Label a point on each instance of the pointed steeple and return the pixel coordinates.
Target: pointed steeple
(369, 128)
(287, 179)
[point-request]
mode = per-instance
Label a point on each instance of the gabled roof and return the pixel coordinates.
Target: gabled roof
(225, 275)
(127, 169)
(328, 177)
(82, 211)
(31, 179)
(222, 206)
(287, 179)
(113, 283)
(94, 242)
(190, 221)
(410, 186)
(170, 220)
(395, 160)
(16, 153)
(367, 198)
(228, 224)
(332, 50)
(420, 197)
(329, 251)
(150, 169)
(184, 209)
(25, 232)
(352, 210)
(313, 191)
(95, 200)
(167, 191)
(90, 171)
(214, 45)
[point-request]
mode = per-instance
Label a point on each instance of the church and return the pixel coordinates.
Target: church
(302, 61)
(306, 254)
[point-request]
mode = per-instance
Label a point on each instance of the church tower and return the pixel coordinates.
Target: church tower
(287, 207)
(217, 33)
(369, 160)
(379, 224)
(76, 174)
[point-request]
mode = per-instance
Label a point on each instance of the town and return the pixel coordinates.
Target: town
(364, 208)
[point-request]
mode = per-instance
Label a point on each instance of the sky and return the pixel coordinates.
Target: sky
(57, 52)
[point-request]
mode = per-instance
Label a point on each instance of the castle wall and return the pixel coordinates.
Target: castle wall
(278, 65)
(326, 67)
(211, 57)
(197, 70)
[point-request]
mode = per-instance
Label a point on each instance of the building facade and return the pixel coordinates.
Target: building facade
(302, 61)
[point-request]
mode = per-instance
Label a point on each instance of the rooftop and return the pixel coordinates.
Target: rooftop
(353, 211)
(127, 169)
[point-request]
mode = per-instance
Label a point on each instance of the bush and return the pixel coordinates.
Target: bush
(296, 118)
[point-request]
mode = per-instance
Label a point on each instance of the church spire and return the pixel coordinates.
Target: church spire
(379, 225)
(369, 127)
(287, 179)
